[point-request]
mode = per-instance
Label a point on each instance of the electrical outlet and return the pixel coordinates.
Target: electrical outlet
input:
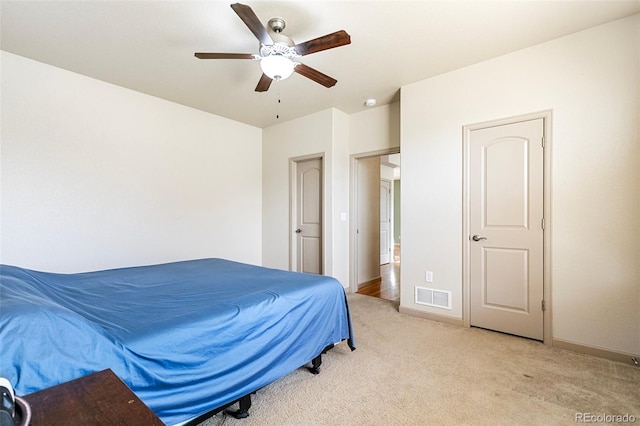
(428, 276)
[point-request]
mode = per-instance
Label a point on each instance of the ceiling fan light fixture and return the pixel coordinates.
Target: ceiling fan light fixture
(277, 67)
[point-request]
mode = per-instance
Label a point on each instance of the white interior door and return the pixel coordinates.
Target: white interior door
(506, 175)
(385, 222)
(309, 216)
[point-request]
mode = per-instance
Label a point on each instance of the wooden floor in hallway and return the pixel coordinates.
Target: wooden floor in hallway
(388, 285)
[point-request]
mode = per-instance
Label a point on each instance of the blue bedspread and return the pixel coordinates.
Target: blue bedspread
(186, 337)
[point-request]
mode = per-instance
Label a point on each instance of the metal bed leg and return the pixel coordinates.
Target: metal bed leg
(315, 364)
(243, 411)
(317, 361)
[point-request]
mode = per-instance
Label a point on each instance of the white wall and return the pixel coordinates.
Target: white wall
(323, 133)
(337, 136)
(340, 197)
(591, 82)
(367, 223)
(375, 129)
(97, 176)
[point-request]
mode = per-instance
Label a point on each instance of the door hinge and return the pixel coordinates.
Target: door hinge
(544, 306)
(542, 223)
(542, 141)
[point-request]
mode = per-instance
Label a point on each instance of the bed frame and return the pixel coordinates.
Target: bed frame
(244, 402)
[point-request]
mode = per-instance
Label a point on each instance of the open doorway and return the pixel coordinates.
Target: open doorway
(376, 240)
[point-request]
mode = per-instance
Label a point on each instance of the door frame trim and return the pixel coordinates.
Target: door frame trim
(353, 209)
(293, 212)
(547, 116)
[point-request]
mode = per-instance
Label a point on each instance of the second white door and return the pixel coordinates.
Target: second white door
(506, 181)
(309, 216)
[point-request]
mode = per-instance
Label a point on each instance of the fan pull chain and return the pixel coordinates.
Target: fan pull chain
(278, 105)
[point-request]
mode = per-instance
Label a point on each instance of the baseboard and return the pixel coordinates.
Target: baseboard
(624, 357)
(431, 316)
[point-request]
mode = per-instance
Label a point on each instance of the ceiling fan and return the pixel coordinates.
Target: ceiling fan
(278, 52)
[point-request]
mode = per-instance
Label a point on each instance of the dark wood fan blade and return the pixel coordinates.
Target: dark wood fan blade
(329, 41)
(203, 55)
(263, 84)
(252, 22)
(315, 75)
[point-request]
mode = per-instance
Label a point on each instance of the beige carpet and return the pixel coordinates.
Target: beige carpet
(412, 371)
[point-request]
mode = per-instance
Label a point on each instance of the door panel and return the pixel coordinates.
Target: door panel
(310, 178)
(507, 272)
(505, 213)
(505, 190)
(311, 255)
(309, 216)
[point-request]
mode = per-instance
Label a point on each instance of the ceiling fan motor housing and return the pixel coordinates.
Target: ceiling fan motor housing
(288, 51)
(276, 24)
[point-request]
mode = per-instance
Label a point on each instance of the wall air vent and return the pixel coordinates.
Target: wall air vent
(433, 297)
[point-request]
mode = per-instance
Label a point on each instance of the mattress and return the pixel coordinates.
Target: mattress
(186, 336)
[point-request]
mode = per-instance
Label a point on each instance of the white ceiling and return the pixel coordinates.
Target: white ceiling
(148, 46)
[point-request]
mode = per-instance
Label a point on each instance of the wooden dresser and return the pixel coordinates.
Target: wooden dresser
(96, 399)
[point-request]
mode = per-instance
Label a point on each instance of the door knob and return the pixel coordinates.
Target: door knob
(298, 231)
(478, 238)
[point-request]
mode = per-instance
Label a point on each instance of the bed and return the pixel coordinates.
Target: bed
(189, 337)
